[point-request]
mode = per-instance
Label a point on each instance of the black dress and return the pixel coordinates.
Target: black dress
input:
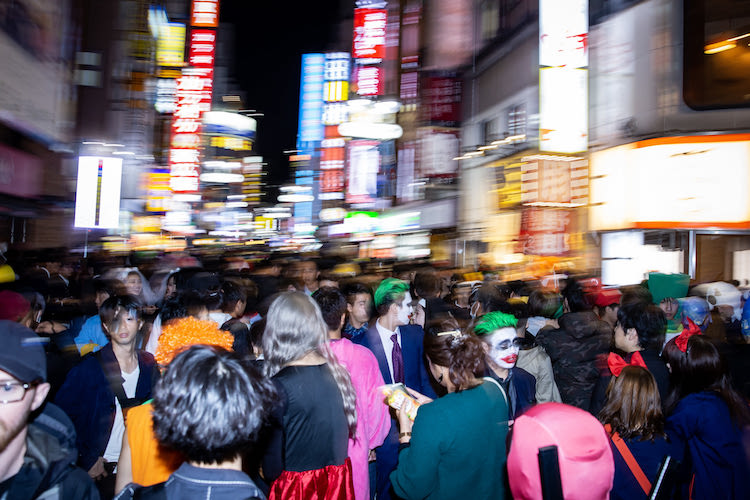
(309, 429)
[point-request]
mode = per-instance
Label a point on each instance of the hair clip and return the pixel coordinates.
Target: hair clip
(454, 333)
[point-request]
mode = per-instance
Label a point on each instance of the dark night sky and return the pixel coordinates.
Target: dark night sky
(270, 38)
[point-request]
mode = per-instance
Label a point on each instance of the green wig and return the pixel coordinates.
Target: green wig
(389, 289)
(493, 321)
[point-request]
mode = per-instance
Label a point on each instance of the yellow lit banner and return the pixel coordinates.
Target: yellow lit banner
(170, 47)
(335, 91)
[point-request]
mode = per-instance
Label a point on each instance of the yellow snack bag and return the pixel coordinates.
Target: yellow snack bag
(396, 395)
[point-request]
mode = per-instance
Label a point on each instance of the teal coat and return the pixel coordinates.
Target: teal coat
(457, 448)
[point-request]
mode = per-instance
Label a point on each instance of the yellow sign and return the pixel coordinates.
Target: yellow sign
(170, 47)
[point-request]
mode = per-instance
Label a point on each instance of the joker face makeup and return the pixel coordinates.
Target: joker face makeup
(503, 347)
(405, 309)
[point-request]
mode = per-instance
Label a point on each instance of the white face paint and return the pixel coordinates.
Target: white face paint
(503, 347)
(404, 310)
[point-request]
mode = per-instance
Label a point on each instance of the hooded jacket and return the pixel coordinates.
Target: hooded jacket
(49, 471)
(573, 349)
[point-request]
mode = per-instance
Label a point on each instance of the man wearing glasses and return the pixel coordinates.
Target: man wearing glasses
(33, 462)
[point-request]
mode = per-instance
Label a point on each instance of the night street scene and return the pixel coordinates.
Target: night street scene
(375, 249)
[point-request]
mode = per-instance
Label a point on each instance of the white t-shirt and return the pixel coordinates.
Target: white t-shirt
(112, 451)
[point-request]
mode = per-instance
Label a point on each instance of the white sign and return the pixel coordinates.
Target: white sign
(563, 75)
(98, 192)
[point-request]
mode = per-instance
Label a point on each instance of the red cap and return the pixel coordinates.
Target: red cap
(607, 297)
(13, 305)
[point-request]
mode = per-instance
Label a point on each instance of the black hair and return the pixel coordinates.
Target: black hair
(702, 368)
(573, 293)
(231, 294)
(106, 286)
(210, 404)
(635, 293)
(173, 308)
(648, 321)
(544, 303)
(426, 284)
(332, 305)
(488, 296)
(129, 303)
(351, 290)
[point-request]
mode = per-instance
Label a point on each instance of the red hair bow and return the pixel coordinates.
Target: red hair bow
(682, 339)
(616, 363)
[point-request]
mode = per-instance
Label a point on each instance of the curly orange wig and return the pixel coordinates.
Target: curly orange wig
(185, 332)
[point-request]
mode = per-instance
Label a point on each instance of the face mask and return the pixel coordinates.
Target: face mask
(503, 347)
(534, 324)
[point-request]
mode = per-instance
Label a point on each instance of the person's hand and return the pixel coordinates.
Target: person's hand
(97, 470)
(404, 424)
(50, 327)
(421, 398)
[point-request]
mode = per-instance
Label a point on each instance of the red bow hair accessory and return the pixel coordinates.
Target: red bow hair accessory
(682, 339)
(616, 363)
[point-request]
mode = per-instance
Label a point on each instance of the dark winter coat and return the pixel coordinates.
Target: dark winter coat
(573, 349)
(49, 471)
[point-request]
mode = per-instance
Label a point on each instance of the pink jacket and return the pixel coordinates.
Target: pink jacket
(373, 419)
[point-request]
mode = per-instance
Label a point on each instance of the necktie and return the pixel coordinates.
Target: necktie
(398, 361)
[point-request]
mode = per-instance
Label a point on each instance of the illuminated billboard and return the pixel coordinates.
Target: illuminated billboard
(310, 127)
(369, 33)
(98, 192)
(170, 46)
(563, 75)
(194, 92)
(364, 163)
(672, 182)
(205, 13)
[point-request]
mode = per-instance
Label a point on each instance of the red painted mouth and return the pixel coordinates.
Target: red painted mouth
(510, 359)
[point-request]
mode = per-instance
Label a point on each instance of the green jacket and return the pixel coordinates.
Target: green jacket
(457, 448)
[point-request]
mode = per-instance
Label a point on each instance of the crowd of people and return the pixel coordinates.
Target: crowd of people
(270, 379)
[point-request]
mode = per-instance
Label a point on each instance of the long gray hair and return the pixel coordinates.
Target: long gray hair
(294, 327)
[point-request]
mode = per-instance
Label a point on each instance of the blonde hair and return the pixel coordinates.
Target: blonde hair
(294, 327)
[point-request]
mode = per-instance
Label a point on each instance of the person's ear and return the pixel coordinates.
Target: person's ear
(105, 328)
(343, 319)
(40, 394)
(349, 307)
(632, 335)
(393, 309)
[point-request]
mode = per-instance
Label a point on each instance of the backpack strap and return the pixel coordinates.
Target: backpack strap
(115, 384)
(630, 460)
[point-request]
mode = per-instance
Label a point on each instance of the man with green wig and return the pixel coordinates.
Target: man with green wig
(397, 346)
(498, 332)
(666, 289)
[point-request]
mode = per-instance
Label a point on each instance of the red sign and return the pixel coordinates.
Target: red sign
(442, 100)
(369, 33)
(194, 92)
(205, 13)
(545, 231)
(368, 80)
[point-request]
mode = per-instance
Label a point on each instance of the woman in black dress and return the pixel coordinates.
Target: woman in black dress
(316, 416)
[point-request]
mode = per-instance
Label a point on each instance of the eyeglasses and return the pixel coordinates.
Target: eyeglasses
(11, 392)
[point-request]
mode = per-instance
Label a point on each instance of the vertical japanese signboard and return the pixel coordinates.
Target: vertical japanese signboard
(368, 50)
(563, 75)
(194, 93)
